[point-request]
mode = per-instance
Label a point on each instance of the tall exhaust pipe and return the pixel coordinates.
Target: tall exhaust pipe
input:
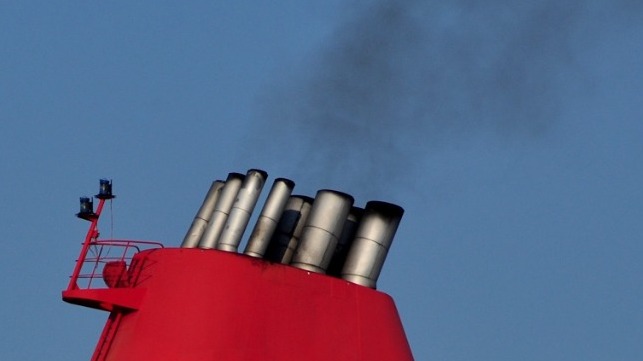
(221, 210)
(322, 230)
(269, 217)
(289, 229)
(242, 210)
(345, 241)
(372, 242)
(200, 221)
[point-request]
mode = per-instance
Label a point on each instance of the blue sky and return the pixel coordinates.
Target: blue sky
(511, 134)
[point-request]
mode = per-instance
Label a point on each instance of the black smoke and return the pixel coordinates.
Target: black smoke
(401, 79)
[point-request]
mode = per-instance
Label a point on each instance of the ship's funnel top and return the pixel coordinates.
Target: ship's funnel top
(326, 235)
(282, 300)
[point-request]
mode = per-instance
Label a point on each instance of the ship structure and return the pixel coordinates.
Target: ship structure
(304, 287)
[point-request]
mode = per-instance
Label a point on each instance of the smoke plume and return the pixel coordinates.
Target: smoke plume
(400, 79)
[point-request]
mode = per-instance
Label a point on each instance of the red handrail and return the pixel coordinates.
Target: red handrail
(99, 247)
(101, 253)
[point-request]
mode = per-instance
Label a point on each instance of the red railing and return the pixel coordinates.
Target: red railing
(95, 255)
(108, 260)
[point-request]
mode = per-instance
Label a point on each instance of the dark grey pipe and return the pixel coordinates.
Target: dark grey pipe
(289, 229)
(322, 230)
(200, 221)
(242, 210)
(372, 242)
(345, 241)
(221, 210)
(269, 217)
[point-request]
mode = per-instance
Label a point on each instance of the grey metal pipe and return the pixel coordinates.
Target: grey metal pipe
(221, 210)
(322, 230)
(242, 210)
(372, 242)
(345, 241)
(289, 229)
(269, 217)
(200, 221)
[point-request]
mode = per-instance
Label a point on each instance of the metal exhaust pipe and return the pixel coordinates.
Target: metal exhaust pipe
(221, 210)
(289, 229)
(242, 210)
(200, 221)
(269, 217)
(372, 242)
(322, 230)
(345, 242)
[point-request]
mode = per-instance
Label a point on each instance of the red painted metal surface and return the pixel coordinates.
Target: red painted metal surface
(211, 305)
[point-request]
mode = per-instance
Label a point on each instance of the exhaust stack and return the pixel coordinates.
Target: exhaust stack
(241, 210)
(345, 241)
(291, 224)
(325, 235)
(322, 231)
(372, 242)
(269, 218)
(200, 222)
(221, 210)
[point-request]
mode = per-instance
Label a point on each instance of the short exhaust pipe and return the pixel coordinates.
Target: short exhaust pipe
(322, 231)
(345, 241)
(289, 229)
(372, 242)
(269, 217)
(242, 210)
(221, 210)
(202, 217)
